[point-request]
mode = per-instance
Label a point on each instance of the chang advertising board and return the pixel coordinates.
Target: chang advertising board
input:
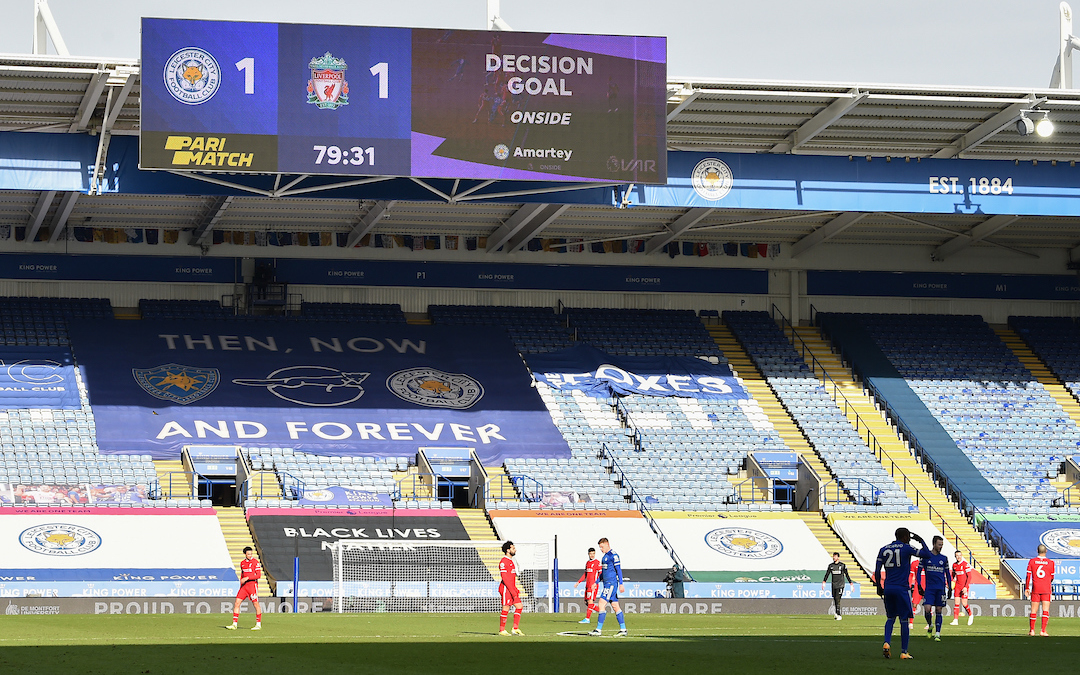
(358, 100)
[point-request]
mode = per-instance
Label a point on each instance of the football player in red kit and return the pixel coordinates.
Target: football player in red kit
(1038, 583)
(508, 590)
(961, 574)
(590, 577)
(250, 573)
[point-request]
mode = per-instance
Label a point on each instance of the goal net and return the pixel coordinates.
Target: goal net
(426, 576)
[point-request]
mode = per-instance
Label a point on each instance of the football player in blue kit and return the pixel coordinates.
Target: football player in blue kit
(938, 585)
(611, 576)
(895, 560)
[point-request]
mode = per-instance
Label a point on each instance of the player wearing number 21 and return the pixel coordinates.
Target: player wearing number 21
(1038, 584)
(508, 590)
(894, 560)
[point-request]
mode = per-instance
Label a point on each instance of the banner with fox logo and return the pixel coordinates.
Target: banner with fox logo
(326, 388)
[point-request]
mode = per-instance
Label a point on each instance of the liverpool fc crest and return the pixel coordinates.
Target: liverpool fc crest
(327, 87)
(176, 383)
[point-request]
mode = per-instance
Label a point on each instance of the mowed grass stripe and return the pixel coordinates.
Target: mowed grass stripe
(467, 644)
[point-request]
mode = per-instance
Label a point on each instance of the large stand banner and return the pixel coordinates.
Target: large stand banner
(335, 389)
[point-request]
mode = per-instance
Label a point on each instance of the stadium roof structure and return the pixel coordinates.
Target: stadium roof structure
(100, 97)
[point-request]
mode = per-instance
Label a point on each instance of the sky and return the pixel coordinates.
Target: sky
(979, 43)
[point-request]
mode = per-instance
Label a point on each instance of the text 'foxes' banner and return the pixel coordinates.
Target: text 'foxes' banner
(336, 389)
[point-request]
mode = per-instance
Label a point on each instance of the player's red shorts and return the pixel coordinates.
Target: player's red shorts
(590, 592)
(249, 590)
(1041, 597)
(510, 596)
(962, 593)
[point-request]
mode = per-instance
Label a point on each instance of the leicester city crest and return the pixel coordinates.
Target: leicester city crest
(176, 383)
(1062, 540)
(192, 75)
(742, 542)
(60, 539)
(435, 389)
(327, 87)
(711, 179)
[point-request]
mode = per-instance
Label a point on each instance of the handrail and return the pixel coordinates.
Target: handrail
(920, 456)
(520, 484)
(193, 483)
(879, 450)
(438, 482)
(605, 453)
(769, 489)
(857, 493)
(291, 486)
(1066, 494)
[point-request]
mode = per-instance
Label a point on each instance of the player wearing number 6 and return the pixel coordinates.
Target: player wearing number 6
(894, 560)
(1038, 583)
(508, 590)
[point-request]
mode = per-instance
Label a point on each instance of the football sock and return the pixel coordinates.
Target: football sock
(502, 619)
(967, 610)
(258, 617)
(905, 636)
(1045, 620)
(956, 611)
(1031, 622)
(938, 622)
(888, 629)
(927, 615)
(517, 617)
(589, 609)
(603, 615)
(622, 624)
(236, 617)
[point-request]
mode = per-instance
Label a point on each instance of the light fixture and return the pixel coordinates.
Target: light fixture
(1044, 127)
(1025, 127)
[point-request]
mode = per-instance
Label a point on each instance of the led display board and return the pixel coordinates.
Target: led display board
(369, 101)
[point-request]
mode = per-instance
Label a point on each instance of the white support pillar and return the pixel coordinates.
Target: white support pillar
(795, 301)
(44, 28)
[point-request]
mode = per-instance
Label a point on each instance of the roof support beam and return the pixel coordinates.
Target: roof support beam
(536, 226)
(977, 233)
(987, 129)
(60, 220)
(690, 98)
(826, 232)
(213, 215)
(512, 226)
(675, 229)
(37, 216)
(821, 121)
(368, 222)
(89, 101)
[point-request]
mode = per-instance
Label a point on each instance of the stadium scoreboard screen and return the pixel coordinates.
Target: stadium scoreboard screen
(367, 101)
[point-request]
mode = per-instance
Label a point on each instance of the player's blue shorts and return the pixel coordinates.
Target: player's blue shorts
(898, 603)
(610, 593)
(934, 597)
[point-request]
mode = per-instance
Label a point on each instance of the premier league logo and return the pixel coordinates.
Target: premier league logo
(741, 542)
(192, 75)
(435, 389)
(327, 87)
(60, 539)
(176, 383)
(711, 179)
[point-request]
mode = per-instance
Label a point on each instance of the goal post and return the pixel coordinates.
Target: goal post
(430, 576)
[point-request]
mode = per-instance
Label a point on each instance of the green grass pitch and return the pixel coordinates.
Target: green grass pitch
(466, 643)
